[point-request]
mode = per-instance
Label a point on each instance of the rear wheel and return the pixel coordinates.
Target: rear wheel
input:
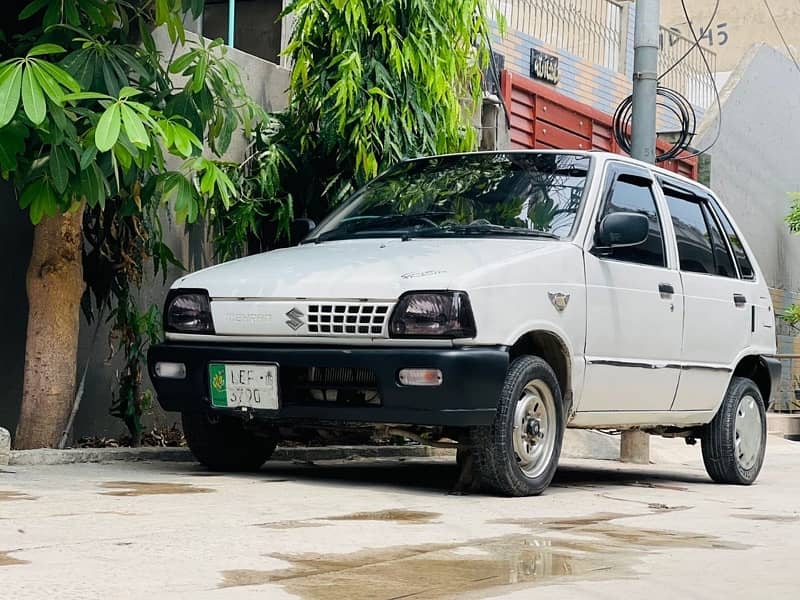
(735, 440)
(518, 454)
(224, 444)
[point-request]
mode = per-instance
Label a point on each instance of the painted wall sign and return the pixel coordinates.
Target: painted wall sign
(544, 67)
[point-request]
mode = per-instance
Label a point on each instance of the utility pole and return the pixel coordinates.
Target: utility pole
(645, 80)
(635, 444)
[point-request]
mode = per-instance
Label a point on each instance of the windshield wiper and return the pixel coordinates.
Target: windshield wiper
(479, 230)
(376, 226)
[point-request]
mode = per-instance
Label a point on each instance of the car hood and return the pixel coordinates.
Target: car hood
(362, 269)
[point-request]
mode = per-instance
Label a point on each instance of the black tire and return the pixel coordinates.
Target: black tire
(224, 444)
(726, 459)
(496, 460)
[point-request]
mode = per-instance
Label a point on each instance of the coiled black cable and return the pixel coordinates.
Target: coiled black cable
(673, 103)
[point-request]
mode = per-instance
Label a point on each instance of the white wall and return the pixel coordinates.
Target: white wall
(756, 161)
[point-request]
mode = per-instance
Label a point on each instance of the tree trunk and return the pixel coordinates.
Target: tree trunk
(55, 285)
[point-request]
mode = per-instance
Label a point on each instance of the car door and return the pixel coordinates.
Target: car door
(634, 322)
(718, 302)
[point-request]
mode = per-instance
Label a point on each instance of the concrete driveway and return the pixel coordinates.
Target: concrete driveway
(387, 529)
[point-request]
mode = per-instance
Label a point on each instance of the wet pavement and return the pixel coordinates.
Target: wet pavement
(387, 529)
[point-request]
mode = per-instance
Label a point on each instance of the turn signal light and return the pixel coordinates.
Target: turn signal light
(420, 377)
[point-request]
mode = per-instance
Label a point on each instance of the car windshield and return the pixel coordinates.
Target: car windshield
(523, 194)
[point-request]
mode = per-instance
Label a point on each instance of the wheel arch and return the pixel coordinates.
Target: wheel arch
(554, 350)
(755, 368)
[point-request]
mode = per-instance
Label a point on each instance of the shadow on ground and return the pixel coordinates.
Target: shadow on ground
(439, 476)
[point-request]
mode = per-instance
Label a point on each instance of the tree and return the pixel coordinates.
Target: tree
(89, 114)
(373, 82)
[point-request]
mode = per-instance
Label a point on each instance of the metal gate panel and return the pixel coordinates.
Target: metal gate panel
(543, 118)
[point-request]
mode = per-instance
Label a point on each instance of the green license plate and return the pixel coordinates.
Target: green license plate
(243, 385)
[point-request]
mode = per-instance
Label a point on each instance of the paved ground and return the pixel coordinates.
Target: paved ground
(387, 529)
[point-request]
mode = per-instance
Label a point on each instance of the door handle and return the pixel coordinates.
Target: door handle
(739, 300)
(666, 288)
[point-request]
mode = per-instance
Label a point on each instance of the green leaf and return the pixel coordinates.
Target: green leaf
(209, 179)
(60, 166)
(40, 199)
(52, 90)
(33, 98)
(12, 144)
(43, 49)
(107, 132)
(134, 128)
(10, 86)
(60, 75)
(32, 9)
(85, 96)
(129, 92)
(87, 157)
(183, 61)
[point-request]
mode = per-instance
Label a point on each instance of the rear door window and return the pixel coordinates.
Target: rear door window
(723, 260)
(691, 231)
(745, 266)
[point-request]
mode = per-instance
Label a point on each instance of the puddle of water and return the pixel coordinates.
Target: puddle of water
(597, 548)
(148, 488)
(12, 495)
(399, 515)
(772, 518)
(6, 560)
(433, 571)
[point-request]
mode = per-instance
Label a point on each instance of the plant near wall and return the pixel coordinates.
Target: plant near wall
(791, 314)
(372, 82)
(90, 113)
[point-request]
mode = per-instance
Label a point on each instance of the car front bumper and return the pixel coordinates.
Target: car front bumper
(472, 379)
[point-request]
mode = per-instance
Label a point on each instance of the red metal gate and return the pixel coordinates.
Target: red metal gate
(543, 118)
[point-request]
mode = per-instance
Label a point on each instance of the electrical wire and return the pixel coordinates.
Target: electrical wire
(696, 39)
(670, 101)
(675, 103)
(713, 82)
(780, 33)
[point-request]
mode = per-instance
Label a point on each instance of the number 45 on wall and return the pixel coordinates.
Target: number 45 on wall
(708, 34)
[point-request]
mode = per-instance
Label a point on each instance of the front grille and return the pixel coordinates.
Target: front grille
(345, 386)
(348, 319)
(345, 376)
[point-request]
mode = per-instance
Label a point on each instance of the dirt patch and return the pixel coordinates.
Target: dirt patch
(6, 495)
(399, 515)
(289, 524)
(597, 549)
(149, 488)
(6, 560)
(772, 518)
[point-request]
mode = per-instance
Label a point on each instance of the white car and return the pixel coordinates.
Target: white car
(492, 299)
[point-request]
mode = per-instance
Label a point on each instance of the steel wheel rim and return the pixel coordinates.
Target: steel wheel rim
(535, 428)
(749, 434)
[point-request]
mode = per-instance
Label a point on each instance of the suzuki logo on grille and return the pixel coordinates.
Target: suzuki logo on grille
(295, 320)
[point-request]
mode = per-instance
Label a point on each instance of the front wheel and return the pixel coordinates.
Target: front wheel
(735, 440)
(518, 454)
(224, 444)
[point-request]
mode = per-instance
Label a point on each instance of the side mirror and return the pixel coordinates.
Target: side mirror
(300, 228)
(622, 229)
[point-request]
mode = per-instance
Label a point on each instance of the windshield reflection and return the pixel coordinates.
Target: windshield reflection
(499, 194)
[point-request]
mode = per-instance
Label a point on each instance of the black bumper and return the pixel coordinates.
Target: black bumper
(471, 381)
(774, 368)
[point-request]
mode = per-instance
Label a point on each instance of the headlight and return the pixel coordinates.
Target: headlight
(188, 311)
(433, 314)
